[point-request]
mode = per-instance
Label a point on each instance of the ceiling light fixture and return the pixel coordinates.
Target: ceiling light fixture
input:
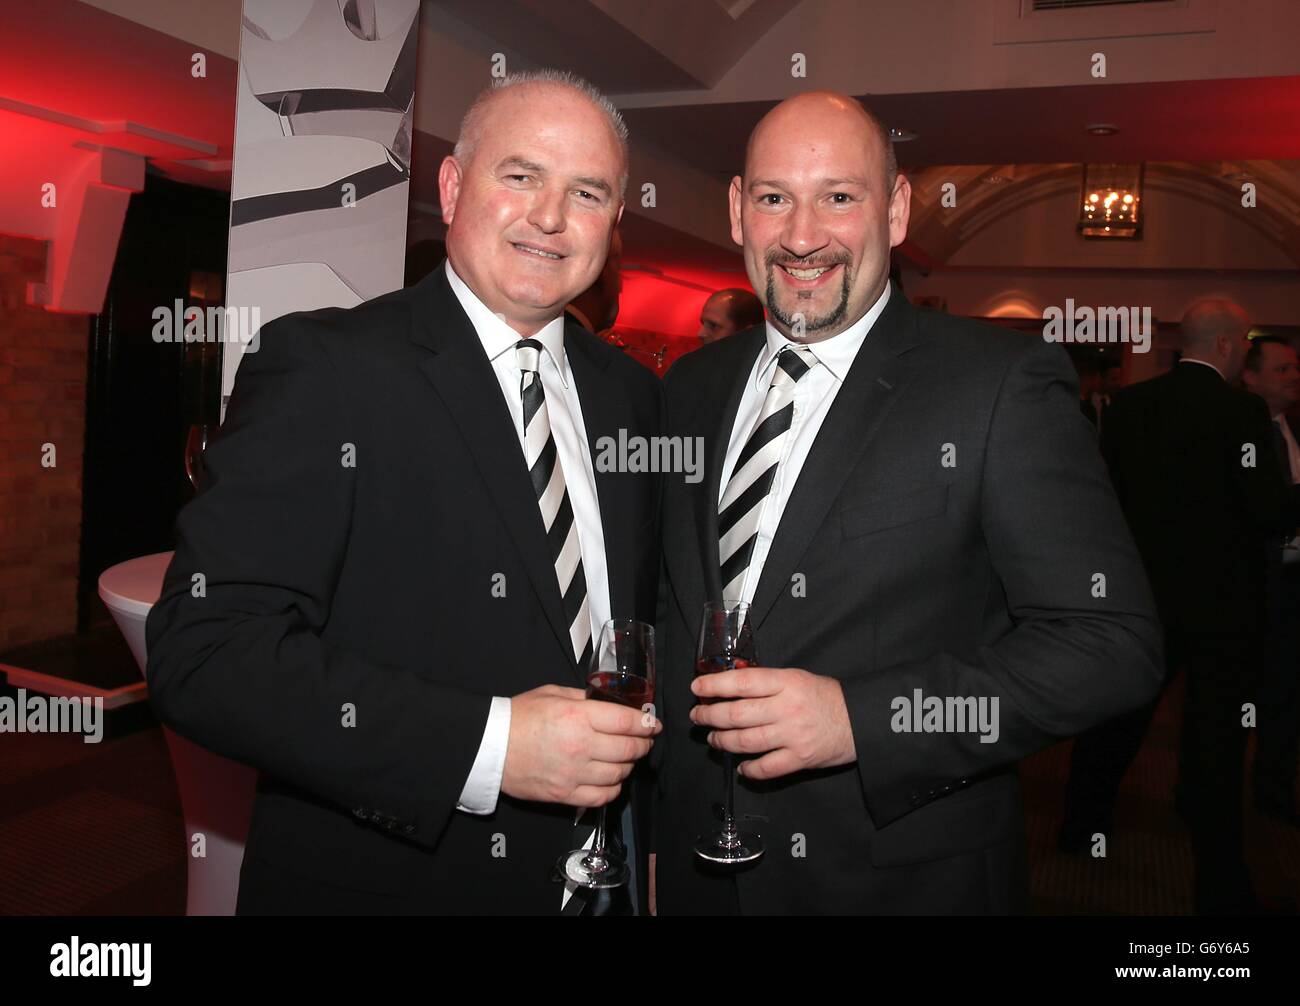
(1111, 203)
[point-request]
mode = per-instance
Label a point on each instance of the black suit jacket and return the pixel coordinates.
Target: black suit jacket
(975, 580)
(1203, 521)
(331, 588)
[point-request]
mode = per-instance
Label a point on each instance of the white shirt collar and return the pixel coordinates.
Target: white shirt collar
(836, 354)
(497, 337)
(1204, 363)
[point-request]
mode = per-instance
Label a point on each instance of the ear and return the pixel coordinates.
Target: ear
(900, 210)
(734, 195)
(450, 177)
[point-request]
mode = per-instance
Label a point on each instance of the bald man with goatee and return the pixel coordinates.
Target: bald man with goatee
(915, 512)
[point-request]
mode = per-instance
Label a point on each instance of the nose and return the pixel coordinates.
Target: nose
(804, 234)
(547, 211)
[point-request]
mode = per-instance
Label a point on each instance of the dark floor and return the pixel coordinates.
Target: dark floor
(96, 829)
(98, 657)
(90, 829)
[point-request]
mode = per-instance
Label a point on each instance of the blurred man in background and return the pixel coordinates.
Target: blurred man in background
(1192, 461)
(596, 308)
(1272, 373)
(728, 312)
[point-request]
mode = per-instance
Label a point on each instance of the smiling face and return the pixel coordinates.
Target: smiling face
(530, 213)
(814, 216)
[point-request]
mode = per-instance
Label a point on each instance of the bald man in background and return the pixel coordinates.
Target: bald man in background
(728, 312)
(1192, 461)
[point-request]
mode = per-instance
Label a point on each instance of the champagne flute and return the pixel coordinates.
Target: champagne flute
(727, 643)
(622, 671)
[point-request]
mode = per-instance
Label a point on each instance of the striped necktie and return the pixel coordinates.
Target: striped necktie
(751, 480)
(547, 474)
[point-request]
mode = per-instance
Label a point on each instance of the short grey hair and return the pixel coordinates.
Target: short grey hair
(471, 126)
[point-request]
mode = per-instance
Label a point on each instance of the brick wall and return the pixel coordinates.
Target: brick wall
(42, 400)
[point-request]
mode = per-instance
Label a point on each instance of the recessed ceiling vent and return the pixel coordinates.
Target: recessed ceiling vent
(1040, 5)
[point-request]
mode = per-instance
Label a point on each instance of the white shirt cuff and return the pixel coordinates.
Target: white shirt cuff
(483, 786)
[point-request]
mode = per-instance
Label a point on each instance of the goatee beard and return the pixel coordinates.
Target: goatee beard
(831, 319)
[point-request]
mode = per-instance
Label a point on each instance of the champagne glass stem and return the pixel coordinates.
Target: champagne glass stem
(595, 860)
(729, 773)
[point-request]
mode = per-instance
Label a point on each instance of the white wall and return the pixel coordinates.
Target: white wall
(1269, 298)
(1179, 232)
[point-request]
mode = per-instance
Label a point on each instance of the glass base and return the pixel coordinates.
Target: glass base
(576, 867)
(741, 847)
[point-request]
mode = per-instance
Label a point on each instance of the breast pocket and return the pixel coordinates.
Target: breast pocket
(893, 511)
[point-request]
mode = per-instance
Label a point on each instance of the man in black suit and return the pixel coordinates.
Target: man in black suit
(386, 598)
(1095, 387)
(1271, 371)
(915, 508)
(1192, 460)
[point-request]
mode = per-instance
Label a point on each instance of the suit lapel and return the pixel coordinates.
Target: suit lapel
(603, 415)
(460, 373)
(876, 380)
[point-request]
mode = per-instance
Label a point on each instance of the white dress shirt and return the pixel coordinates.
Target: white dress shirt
(483, 787)
(1292, 449)
(813, 396)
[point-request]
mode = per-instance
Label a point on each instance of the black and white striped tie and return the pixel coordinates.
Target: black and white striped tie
(547, 474)
(741, 506)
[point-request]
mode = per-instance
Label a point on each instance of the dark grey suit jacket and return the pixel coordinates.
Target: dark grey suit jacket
(976, 579)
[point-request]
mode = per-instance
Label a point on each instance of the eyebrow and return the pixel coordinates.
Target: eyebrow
(781, 183)
(521, 162)
(596, 183)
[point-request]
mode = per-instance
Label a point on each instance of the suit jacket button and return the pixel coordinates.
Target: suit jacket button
(408, 829)
(916, 799)
(360, 812)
